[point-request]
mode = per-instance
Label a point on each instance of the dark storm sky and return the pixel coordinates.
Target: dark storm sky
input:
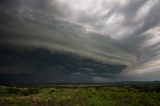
(79, 40)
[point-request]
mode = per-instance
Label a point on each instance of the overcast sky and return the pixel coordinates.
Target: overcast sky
(79, 40)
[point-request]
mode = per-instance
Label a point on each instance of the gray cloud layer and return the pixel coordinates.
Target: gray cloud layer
(123, 32)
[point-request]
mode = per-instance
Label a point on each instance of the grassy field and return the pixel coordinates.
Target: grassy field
(125, 95)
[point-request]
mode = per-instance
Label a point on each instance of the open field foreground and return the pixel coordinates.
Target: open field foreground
(131, 95)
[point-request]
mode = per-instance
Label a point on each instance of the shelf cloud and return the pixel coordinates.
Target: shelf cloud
(119, 38)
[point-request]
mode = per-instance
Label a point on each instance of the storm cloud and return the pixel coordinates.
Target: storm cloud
(81, 41)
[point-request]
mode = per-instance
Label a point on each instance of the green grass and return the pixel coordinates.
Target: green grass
(78, 96)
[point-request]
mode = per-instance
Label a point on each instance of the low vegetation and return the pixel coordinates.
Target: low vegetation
(123, 95)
